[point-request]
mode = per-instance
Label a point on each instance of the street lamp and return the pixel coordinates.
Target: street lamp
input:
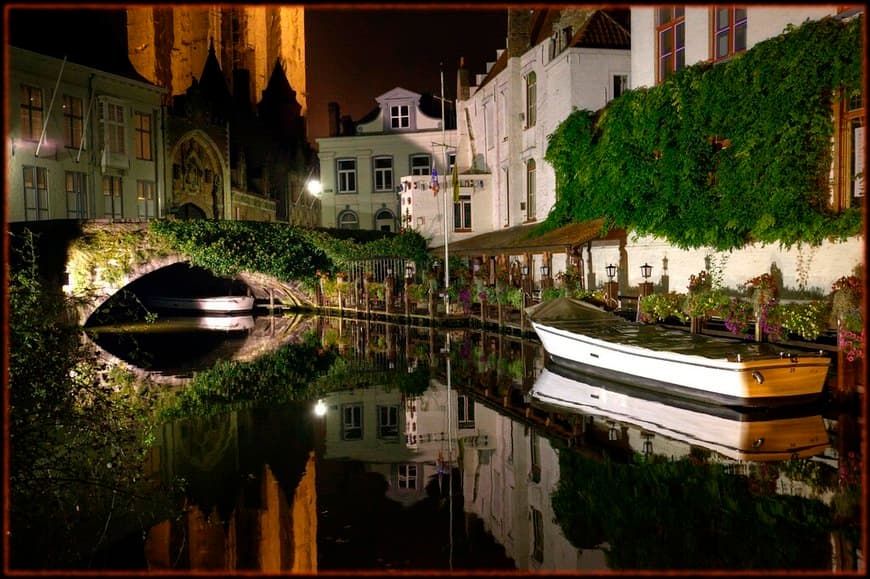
(611, 271)
(646, 271)
(320, 408)
(409, 270)
(315, 187)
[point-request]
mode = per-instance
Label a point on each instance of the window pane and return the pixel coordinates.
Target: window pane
(740, 38)
(722, 18)
(722, 45)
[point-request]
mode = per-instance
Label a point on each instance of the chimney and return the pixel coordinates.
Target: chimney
(333, 118)
(462, 81)
(347, 128)
(519, 26)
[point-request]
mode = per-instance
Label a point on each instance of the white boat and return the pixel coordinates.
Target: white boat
(761, 435)
(214, 304)
(721, 370)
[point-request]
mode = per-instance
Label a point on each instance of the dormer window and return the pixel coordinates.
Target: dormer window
(400, 117)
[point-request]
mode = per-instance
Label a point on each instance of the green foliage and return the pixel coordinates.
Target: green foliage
(77, 446)
(652, 161)
(418, 292)
(674, 514)
(805, 319)
(663, 306)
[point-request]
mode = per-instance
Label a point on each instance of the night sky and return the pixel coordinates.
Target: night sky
(353, 55)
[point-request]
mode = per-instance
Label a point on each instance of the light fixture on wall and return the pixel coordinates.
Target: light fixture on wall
(611, 271)
(409, 270)
(545, 271)
(646, 271)
(524, 269)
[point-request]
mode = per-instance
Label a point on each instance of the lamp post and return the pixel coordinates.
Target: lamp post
(646, 285)
(611, 288)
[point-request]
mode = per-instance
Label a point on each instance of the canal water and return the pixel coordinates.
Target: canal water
(347, 445)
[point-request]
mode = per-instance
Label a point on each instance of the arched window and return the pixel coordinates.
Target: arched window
(348, 220)
(385, 220)
(531, 99)
(530, 190)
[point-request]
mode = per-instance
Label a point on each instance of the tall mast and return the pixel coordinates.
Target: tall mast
(446, 215)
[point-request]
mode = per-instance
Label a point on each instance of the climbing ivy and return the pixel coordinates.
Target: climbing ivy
(287, 253)
(719, 155)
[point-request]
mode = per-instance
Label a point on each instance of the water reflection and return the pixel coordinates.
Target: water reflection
(404, 472)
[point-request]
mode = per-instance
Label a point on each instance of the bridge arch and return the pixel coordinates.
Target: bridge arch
(96, 273)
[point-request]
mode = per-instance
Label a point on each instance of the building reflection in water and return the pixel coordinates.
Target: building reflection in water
(388, 413)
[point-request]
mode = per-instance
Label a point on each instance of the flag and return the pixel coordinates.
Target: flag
(455, 184)
(435, 186)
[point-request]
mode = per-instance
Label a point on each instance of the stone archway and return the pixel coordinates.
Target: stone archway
(197, 177)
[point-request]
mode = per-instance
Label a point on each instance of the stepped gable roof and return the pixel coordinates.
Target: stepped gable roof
(499, 66)
(602, 31)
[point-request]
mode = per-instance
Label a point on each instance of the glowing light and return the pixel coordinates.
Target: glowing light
(320, 408)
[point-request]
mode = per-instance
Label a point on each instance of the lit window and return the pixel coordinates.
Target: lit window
(399, 117)
(76, 203)
(671, 30)
(114, 130)
(347, 175)
(420, 165)
(729, 31)
(849, 157)
(145, 199)
(31, 113)
(143, 136)
(72, 121)
(383, 169)
(35, 193)
(113, 200)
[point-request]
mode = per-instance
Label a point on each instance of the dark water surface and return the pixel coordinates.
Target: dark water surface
(422, 460)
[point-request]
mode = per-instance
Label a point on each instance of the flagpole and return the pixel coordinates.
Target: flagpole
(446, 232)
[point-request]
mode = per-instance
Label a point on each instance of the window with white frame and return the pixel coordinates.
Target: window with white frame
(531, 185)
(73, 121)
(114, 128)
(113, 200)
(76, 201)
(383, 171)
(729, 31)
(31, 112)
(346, 175)
(145, 199)
(400, 117)
(351, 422)
(348, 220)
(388, 422)
(671, 30)
(421, 165)
(462, 214)
(35, 193)
(465, 411)
(531, 99)
(407, 478)
(142, 127)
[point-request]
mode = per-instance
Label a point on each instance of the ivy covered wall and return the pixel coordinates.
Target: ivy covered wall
(721, 155)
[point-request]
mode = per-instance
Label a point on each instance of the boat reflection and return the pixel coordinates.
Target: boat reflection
(181, 324)
(769, 435)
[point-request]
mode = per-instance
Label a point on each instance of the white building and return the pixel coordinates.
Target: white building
(557, 60)
(360, 172)
(83, 143)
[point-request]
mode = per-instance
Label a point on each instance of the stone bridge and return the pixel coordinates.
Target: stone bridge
(107, 257)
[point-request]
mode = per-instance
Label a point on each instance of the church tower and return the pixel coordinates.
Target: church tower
(169, 44)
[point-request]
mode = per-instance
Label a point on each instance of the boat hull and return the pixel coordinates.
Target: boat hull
(217, 304)
(710, 369)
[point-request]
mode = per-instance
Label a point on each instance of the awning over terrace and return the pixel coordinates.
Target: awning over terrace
(522, 239)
